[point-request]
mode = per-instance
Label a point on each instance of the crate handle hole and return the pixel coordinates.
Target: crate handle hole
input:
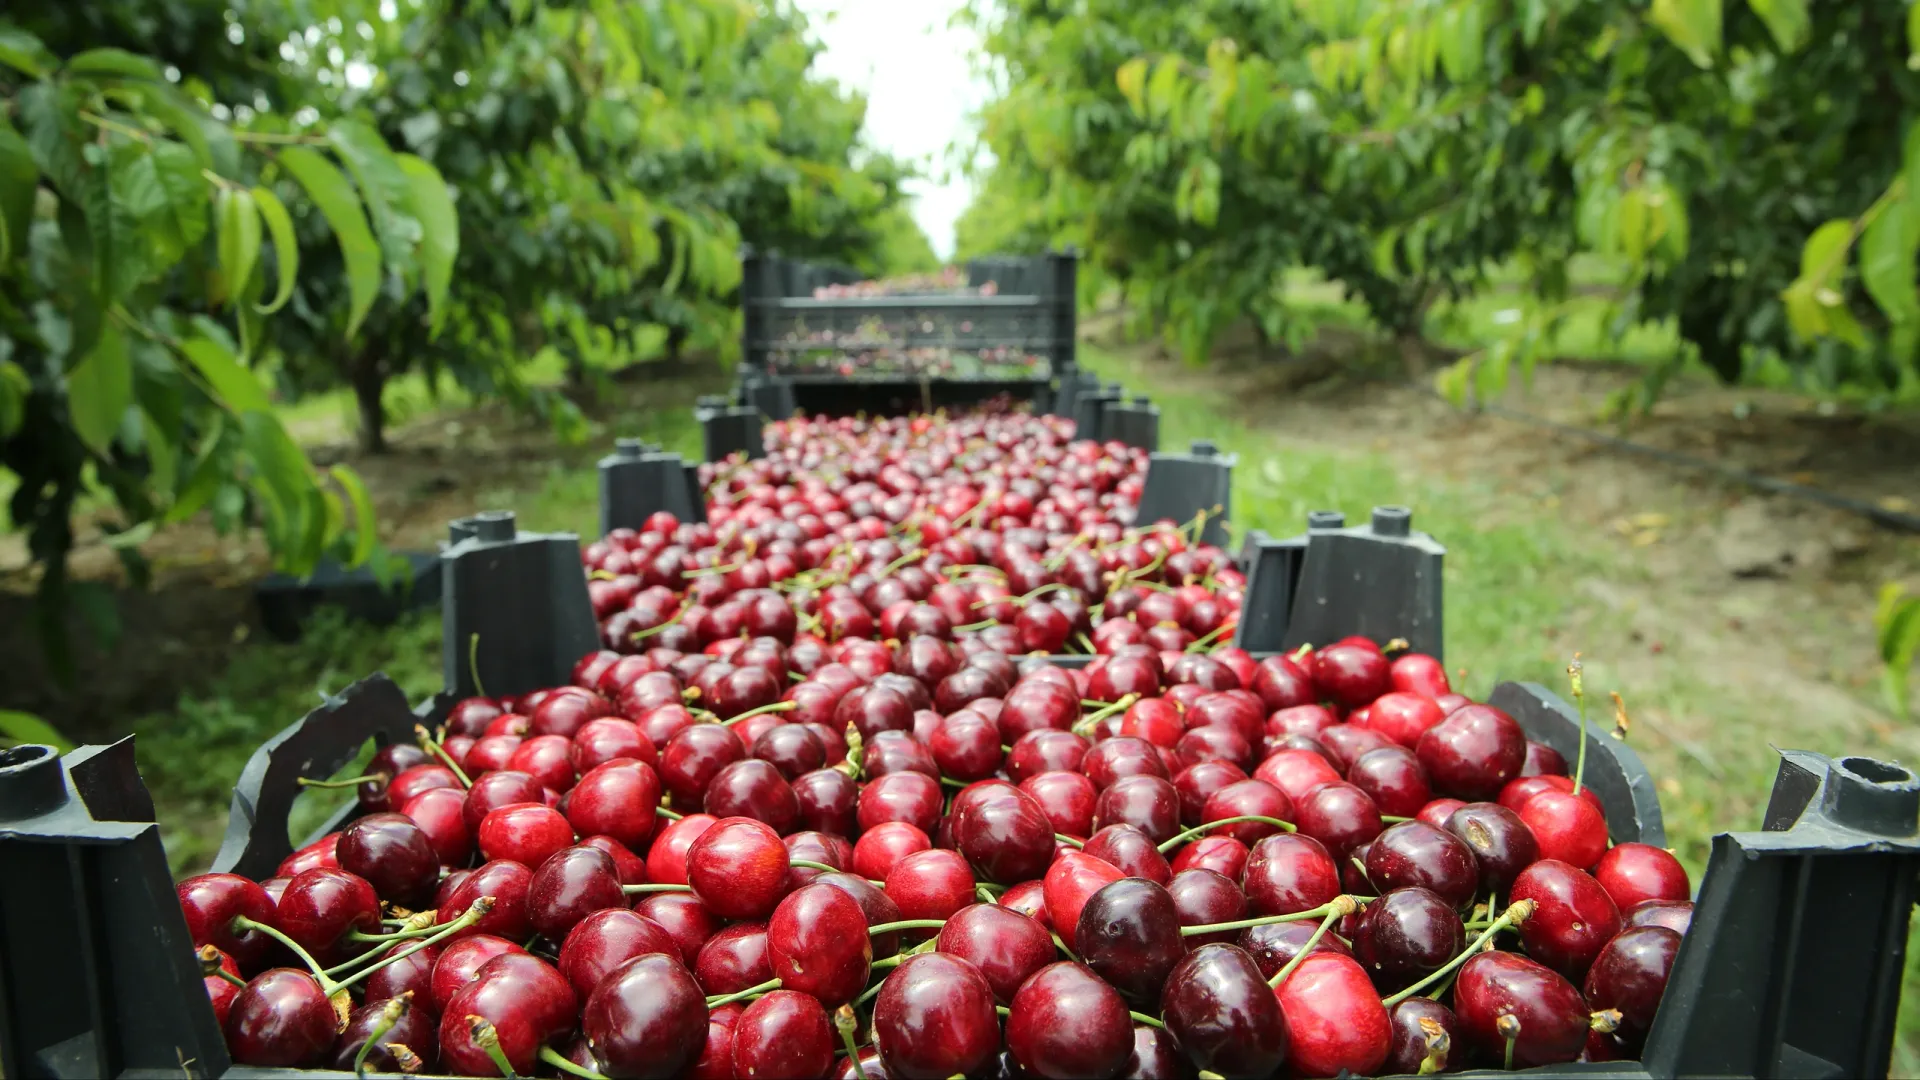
(1876, 771)
(15, 757)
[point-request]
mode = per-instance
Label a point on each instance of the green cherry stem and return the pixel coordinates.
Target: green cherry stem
(1201, 830)
(751, 991)
(559, 1061)
(776, 707)
(390, 1013)
(427, 743)
(657, 887)
(473, 915)
(484, 1036)
(1150, 1021)
(241, 922)
(809, 864)
(1340, 911)
(1320, 912)
(847, 1022)
(351, 781)
(1520, 911)
(906, 924)
(1070, 841)
(210, 967)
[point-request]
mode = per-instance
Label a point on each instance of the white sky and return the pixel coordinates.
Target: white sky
(920, 87)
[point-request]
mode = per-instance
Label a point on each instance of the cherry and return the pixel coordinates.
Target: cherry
(1004, 944)
(1574, 920)
(872, 709)
(966, 746)
(1418, 673)
(1223, 1015)
(884, 845)
(1274, 945)
(897, 751)
(1335, 1022)
(1635, 873)
(489, 754)
(1675, 915)
(1148, 803)
(684, 918)
(1393, 779)
(321, 907)
(1066, 1023)
(1543, 760)
(931, 884)
(1157, 720)
(1029, 898)
(1338, 815)
(569, 886)
(212, 901)
(470, 716)
(793, 749)
(1553, 1020)
(1197, 782)
(440, 814)
(413, 781)
(1630, 975)
(817, 942)
(1473, 752)
(1407, 934)
(1070, 881)
(969, 684)
(412, 973)
(667, 858)
(1045, 750)
(1568, 828)
(566, 712)
(647, 1017)
(546, 758)
(934, 1018)
(495, 790)
(1203, 897)
(1132, 851)
(912, 797)
(1501, 843)
(1247, 798)
(388, 762)
(1289, 873)
(525, 833)
(1310, 720)
(282, 1019)
(1006, 840)
(617, 799)
(1222, 854)
(1403, 717)
(1154, 1055)
(606, 939)
(1240, 710)
(1284, 684)
(827, 800)
(1418, 1024)
(734, 959)
(753, 789)
(1067, 799)
(460, 962)
(1296, 772)
(691, 759)
(1129, 933)
(1415, 853)
(415, 1030)
(716, 1058)
(784, 1033)
(738, 868)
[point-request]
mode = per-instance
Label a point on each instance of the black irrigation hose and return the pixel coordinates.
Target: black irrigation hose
(1892, 519)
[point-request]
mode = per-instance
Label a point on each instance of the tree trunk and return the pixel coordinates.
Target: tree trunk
(368, 383)
(1413, 354)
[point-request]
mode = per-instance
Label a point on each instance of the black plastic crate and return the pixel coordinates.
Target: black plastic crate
(287, 602)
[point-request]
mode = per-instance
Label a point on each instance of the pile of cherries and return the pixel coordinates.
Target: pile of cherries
(995, 531)
(783, 856)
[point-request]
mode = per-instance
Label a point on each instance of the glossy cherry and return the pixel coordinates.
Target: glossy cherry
(1553, 1020)
(738, 868)
(684, 918)
(817, 943)
(934, 1018)
(1129, 934)
(1070, 881)
(526, 1000)
(1414, 853)
(569, 886)
(667, 858)
(1568, 827)
(1420, 1023)
(783, 1034)
(1407, 934)
(1635, 873)
(1223, 1015)
(212, 901)
(1473, 752)
(646, 1018)
(495, 790)
(459, 962)
(1335, 1022)
(1574, 920)
(1274, 945)
(931, 884)
(1065, 1024)
(909, 796)
(1501, 843)
(1338, 815)
(1675, 915)
(1288, 873)
(1006, 840)
(321, 907)
(281, 1019)
(525, 833)
(617, 799)
(1630, 975)
(1203, 897)
(1133, 851)
(606, 939)
(1393, 778)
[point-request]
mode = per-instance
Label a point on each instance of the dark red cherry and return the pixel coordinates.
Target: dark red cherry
(606, 939)
(827, 800)
(1155, 1055)
(646, 1018)
(935, 1017)
(784, 1033)
(1338, 815)
(734, 959)
(416, 1028)
(1129, 933)
(1005, 945)
(1630, 975)
(1675, 915)
(1006, 840)
(1067, 799)
(1222, 854)
(817, 943)
(1071, 880)
(1353, 675)
(440, 813)
(1415, 853)
(897, 751)
(1222, 1013)
(1574, 920)
(716, 1059)
(525, 833)
(618, 799)
(1407, 934)
(1543, 760)
(931, 884)
(691, 759)
(1283, 684)
(1247, 798)
(495, 790)
(1473, 752)
(911, 796)
(790, 748)
(282, 1019)
(1393, 779)
(1196, 783)
(667, 857)
(1065, 1023)
(1568, 827)
(571, 885)
(1203, 897)
(1111, 759)
(1348, 743)
(753, 789)
(388, 762)
(1148, 803)
(212, 901)
(413, 972)
(1045, 750)
(966, 747)
(527, 1002)
(738, 868)
(1501, 843)
(1635, 873)
(1274, 945)
(684, 918)
(1552, 1019)
(460, 962)
(1335, 1022)
(1289, 873)
(1132, 851)
(321, 907)
(1419, 1026)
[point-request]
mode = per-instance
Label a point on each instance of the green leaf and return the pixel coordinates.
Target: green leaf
(163, 458)
(19, 177)
(239, 241)
(432, 206)
(365, 534)
(1692, 25)
(236, 387)
(1825, 252)
(14, 388)
(211, 141)
(1887, 262)
(384, 186)
(1898, 623)
(100, 389)
(296, 514)
(116, 62)
(166, 194)
(27, 728)
(25, 53)
(330, 192)
(286, 246)
(1131, 78)
(1787, 21)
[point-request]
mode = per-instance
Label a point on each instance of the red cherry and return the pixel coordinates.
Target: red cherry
(413, 972)
(1005, 944)
(753, 789)
(1418, 673)
(1675, 915)
(934, 1018)
(605, 940)
(818, 945)
(716, 1059)
(1203, 897)
(667, 858)
(1073, 877)
(1568, 827)
(1148, 803)
(646, 1018)
(546, 758)
(1274, 945)
(393, 854)
(320, 907)
(912, 797)
(210, 903)
(1552, 1018)
(1630, 975)
(1574, 920)
(524, 833)
(282, 1019)
(827, 799)
(1296, 772)
(1221, 1012)
(1393, 779)
(1045, 750)
(495, 790)
(738, 868)
(1414, 853)
(459, 962)
(1473, 752)
(931, 884)
(1403, 717)
(1438, 811)
(1066, 1023)
(1132, 851)
(1501, 843)
(508, 883)
(1288, 873)
(1418, 1023)
(1338, 815)
(1635, 873)
(440, 813)
(1247, 798)
(1335, 1022)
(783, 1033)
(1222, 854)
(684, 918)
(523, 997)
(569, 886)
(1543, 760)
(1067, 799)
(1353, 675)
(734, 959)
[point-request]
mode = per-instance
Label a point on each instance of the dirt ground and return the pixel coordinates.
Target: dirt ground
(1767, 593)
